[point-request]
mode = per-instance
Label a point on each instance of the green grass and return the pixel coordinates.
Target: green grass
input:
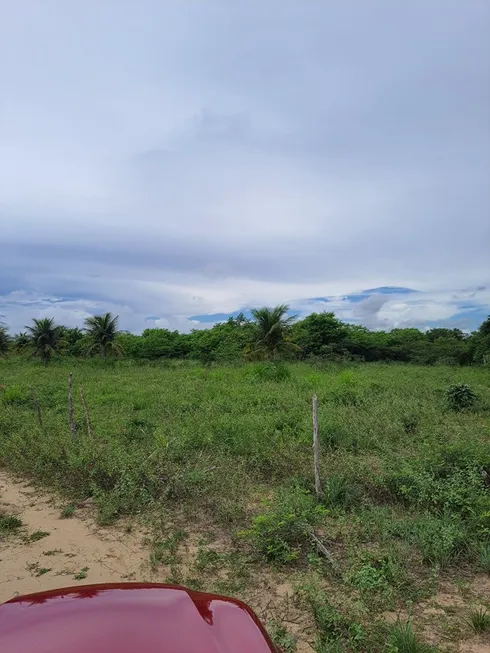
(36, 536)
(9, 524)
(480, 620)
(403, 640)
(403, 493)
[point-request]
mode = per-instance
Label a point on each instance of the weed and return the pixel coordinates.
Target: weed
(36, 570)
(460, 396)
(276, 372)
(207, 560)
(281, 637)
(281, 533)
(82, 574)
(480, 620)
(68, 511)
(440, 541)
(9, 524)
(485, 558)
(403, 640)
(164, 552)
(52, 552)
(333, 628)
(36, 536)
(410, 422)
(338, 492)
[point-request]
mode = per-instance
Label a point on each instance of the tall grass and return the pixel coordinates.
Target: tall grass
(398, 468)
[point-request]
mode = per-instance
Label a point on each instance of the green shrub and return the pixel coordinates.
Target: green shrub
(460, 396)
(369, 578)
(440, 541)
(281, 534)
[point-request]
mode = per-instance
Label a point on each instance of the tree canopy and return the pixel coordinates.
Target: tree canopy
(270, 334)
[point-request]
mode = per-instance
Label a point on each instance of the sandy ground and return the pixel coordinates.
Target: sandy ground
(77, 551)
(74, 546)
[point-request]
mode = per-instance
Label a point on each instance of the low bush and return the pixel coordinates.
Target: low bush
(460, 396)
(281, 533)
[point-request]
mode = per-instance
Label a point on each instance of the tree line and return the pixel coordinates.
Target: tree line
(270, 334)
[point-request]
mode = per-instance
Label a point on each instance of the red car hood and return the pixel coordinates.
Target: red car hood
(129, 618)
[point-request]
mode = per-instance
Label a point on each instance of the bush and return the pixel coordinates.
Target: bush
(440, 541)
(460, 396)
(281, 534)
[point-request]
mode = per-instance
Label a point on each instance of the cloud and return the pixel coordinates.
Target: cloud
(178, 159)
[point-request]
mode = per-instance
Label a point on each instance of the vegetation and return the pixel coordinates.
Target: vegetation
(189, 435)
(102, 333)
(4, 341)
(271, 335)
(480, 620)
(459, 396)
(227, 449)
(45, 338)
(9, 524)
(272, 328)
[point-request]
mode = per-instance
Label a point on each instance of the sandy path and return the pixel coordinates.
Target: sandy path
(73, 545)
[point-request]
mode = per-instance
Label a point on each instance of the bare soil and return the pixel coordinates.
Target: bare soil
(74, 550)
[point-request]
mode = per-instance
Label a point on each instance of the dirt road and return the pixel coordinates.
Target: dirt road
(53, 552)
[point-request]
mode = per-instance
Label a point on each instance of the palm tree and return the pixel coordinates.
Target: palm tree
(102, 331)
(21, 341)
(4, 341)
(45, 338)
(272, 332)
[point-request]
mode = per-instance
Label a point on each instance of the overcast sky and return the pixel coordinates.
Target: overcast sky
(175, 159)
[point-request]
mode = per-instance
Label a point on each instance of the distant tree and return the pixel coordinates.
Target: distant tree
(481, 342)
(4, 341)
(102, 333)
(272, 332)
(73, 340)
(21, 341)
(45, 338)
(320, 334)
(438, 333)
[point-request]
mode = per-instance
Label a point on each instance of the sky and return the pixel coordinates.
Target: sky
(177, 161)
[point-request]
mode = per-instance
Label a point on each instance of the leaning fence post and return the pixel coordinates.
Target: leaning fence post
(85, 410)
(316, 450)
(70, 406)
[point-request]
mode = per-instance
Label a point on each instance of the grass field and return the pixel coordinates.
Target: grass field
(226, 453)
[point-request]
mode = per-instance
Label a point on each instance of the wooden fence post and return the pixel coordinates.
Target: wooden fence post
(71, 420)
(316, 450)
